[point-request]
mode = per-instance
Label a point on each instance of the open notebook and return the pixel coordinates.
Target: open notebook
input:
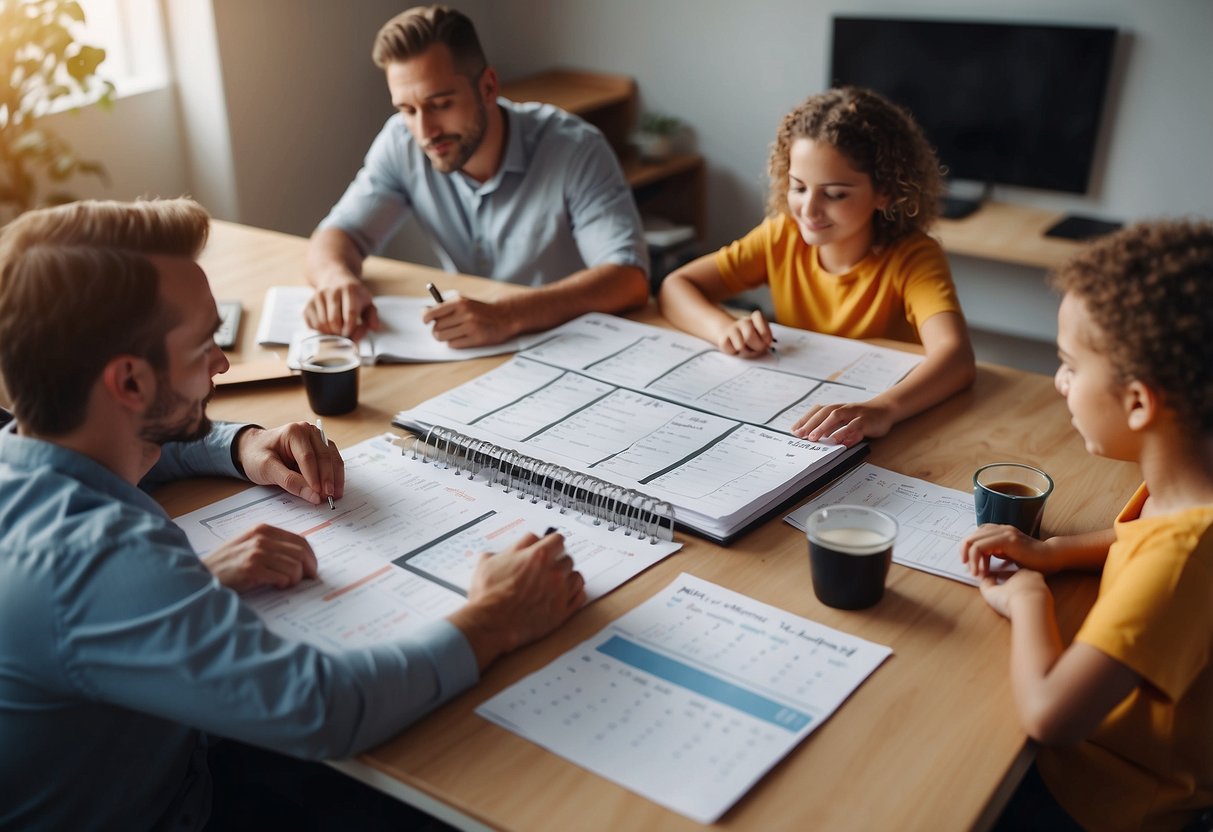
(665, 413)
(402, 544)
(404, 338)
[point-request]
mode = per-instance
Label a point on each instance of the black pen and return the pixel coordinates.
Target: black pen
(434, 293)
(548, 530)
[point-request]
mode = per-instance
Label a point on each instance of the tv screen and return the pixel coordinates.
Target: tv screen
(1002, 103)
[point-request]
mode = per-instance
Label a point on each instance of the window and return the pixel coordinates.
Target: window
(132, 34)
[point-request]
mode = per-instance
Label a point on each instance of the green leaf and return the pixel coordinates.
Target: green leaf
(74, 11)
(85, 63)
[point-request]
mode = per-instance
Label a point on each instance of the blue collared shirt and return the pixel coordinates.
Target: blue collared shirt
(118, 649)
(558, 203)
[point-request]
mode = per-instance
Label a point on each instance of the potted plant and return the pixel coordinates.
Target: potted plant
(42, 63)
(654, 136)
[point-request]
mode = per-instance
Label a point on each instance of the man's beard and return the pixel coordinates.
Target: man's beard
(161, 429)
(466, 145)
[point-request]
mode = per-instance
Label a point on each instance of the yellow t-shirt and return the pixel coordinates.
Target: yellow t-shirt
(1150, 762)
(888, 294)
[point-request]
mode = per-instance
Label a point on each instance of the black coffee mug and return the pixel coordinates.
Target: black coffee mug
(330, 373)
(1011, 494)
(850, 549)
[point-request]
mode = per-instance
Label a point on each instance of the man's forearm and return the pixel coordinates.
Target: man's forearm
(331, 255)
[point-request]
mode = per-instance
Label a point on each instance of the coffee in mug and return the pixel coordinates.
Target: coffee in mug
(850, 549)
(1012, 494)
(330, 373)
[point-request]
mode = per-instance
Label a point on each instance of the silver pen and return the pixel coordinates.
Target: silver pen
(325, 440)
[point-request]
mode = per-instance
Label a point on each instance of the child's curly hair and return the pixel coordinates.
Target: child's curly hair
(1149, 292)
(878, 138)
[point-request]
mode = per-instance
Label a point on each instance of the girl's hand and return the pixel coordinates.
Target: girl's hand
(748, 337)
(844, 424)
(1001, 596)
(1009, 543)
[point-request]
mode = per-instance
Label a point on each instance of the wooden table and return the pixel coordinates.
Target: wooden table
(930, 741)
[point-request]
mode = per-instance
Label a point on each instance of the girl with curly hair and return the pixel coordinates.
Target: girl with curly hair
(854, 186)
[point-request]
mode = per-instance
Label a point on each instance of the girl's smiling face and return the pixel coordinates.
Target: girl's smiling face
(832, 203)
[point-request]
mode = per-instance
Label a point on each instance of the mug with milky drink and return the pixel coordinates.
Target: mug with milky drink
(850, 549)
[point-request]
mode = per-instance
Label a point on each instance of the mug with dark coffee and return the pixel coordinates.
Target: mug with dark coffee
(330, 373)
(850, 549)
(1013, 494)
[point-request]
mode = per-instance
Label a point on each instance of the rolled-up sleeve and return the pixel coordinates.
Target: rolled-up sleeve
(377, 202)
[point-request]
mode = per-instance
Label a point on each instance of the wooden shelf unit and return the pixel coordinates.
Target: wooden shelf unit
(672, 188)
(1007, 233)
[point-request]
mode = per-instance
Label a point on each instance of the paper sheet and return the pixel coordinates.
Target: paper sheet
(401, 546)
(931, 520)
(691, 697)
(403, 338)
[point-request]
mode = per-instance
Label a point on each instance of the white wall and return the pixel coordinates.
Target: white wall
(303, 101)
(138, 142)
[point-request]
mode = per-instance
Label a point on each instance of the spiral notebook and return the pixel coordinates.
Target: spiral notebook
(667, 414)
(402, 545)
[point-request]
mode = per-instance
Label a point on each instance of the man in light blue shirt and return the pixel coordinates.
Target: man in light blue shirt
(523, 193)
(121, 654)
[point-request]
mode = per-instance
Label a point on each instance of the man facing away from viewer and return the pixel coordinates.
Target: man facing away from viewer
(121, 655)
(523, 193)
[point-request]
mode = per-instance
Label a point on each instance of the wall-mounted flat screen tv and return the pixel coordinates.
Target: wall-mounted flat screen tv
(1002, 103)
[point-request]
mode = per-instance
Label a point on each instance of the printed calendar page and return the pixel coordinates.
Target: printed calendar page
(690, 698)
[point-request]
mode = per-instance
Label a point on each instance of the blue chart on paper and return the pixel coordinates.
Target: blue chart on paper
(704, 684)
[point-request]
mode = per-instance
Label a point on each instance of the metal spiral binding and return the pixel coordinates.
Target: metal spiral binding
(620, 508)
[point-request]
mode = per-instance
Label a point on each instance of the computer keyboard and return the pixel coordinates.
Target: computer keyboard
(229, 324)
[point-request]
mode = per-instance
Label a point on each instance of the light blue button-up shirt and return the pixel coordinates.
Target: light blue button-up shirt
(558, 203)
(118, 649)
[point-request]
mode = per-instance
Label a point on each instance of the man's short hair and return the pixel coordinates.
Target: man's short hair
(1149, 292)
(412, 32)
(76, 290)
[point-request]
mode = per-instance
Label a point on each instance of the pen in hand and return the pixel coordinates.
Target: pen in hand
(325, 440)
(434, 293)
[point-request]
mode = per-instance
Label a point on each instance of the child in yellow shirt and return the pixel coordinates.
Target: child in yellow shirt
(854, 187)
(1125, 712)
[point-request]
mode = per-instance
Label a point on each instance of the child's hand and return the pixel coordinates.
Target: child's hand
(845, 424)
(1009, 543)
(1025, 582)
(748, 337)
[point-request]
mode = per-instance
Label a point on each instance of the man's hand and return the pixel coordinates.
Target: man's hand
(342, 306)
(518, 596)
(748, 337)
(845, 424)
(262, 556)
(464, 322)
(295, 458)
